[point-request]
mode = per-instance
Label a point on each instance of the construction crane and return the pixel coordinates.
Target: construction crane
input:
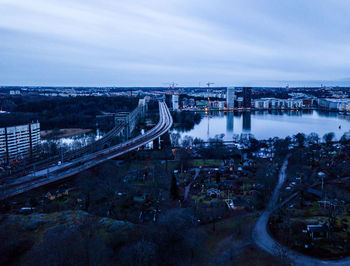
(208, 84)
(172, 86)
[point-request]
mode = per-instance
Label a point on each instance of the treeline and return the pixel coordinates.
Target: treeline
(61, 112)
(185, 121)
(280, 94)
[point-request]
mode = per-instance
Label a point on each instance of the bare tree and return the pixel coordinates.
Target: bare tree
(281, 253)
(328, 138)
(140, 253)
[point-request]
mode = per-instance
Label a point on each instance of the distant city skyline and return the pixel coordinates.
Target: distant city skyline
(151, 43)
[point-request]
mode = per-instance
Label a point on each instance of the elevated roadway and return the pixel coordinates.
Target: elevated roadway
(123, 127)
(59, 172)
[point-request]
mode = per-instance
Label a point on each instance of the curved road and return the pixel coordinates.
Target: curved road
(263, 239)
(55, 173)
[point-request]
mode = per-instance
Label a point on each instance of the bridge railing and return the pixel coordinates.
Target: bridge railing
(115, 131)
(89, 160)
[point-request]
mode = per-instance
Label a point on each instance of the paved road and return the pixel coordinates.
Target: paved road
(87, 161)
(263, 239)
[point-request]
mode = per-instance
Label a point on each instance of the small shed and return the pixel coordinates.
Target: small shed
(317, 231)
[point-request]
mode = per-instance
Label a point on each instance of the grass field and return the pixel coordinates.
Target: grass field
(207, 163)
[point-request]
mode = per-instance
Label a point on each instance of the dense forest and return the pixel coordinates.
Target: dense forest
(61, 112)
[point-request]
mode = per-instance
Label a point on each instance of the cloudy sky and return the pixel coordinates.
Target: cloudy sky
(153, 42)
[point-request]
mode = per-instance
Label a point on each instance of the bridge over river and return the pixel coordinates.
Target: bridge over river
(86, 161)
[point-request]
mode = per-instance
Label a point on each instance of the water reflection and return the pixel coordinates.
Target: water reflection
(266, 124)
(229, 122)
(247, 122)
(76, 142)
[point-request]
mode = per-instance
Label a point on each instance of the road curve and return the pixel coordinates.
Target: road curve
(264, 240)
(55, 173)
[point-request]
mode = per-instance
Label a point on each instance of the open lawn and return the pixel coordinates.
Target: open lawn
(231, 243)
(236, 229)
(206, 163)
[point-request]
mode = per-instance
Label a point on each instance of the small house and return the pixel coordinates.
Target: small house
(50, 196)
(317, 231)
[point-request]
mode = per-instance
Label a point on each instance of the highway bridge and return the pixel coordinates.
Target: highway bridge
(59, 172)
(124, 126)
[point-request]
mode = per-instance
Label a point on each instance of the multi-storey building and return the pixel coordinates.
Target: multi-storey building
(19, 141)
(262, 104)
(293, 103)
(230, 97)
(334, 104)
(175, 101)
(272, 103)
(247, 97)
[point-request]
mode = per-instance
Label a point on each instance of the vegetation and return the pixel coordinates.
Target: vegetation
(185, 121)
(61, 112)
(174, 190)
(140, 211)
(318, 178)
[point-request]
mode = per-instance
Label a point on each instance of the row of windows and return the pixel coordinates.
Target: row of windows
(18, 143)
(19, 140)
(13, 154)
(9, 134)
(11, 147)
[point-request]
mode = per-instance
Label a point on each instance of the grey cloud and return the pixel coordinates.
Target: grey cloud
(145, 43)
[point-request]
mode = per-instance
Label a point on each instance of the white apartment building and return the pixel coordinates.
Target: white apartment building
(230, 97)
(19, 141)
(341, 105)
(175, 101)
(15, 92)
(272, 103)
(293, 103)
(261, 104)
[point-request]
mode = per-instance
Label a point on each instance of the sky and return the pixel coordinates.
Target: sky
(190, 42)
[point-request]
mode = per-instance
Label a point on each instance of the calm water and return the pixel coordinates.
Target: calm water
(78, 141)
(267, 124)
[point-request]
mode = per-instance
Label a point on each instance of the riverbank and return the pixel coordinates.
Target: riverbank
(263, 124)
(205, 110)
(63, 133)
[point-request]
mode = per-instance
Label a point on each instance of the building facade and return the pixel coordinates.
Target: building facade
(261, 104)
(19, 141)
(175, 101)
(230, 97)
(273, 103)
(342, 105)
(247, 97)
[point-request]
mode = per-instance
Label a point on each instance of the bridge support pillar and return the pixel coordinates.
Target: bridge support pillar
(125, 133)
(156, 144)
(165, 140)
